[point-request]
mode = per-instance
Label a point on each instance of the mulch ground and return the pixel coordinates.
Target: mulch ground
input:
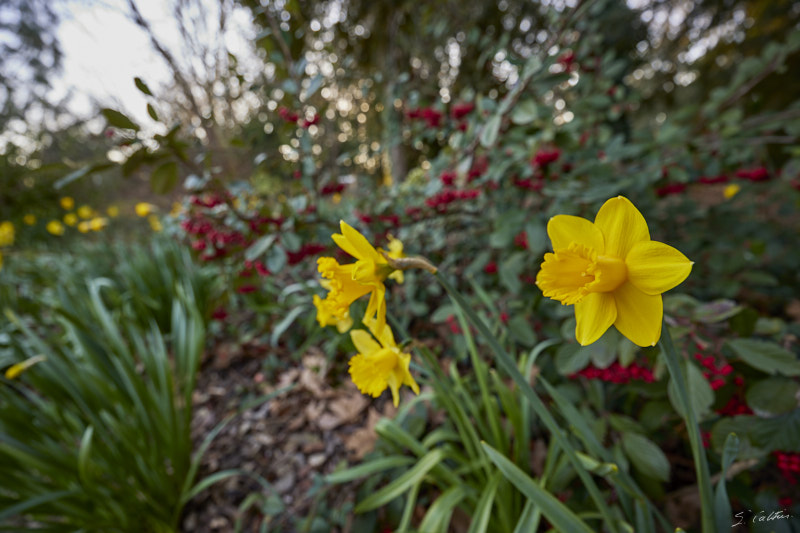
(290, 442)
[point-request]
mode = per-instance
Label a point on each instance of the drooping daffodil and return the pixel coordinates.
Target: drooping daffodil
(380, 364)
(611, 272)
(347, 283)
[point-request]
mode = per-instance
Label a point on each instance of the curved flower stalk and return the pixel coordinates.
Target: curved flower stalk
(347, 283)
(612, 272)
(380, 365)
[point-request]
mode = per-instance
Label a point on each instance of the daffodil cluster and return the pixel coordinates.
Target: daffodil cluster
(380, 364)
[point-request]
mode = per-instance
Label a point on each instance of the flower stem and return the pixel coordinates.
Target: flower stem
(695, 440)
(505, 361)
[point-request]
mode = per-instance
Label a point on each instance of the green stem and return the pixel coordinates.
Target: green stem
(505, 362)
(695, 440)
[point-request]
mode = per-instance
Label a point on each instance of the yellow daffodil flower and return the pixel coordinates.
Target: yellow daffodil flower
(143, 209)
(67, 203)
(6, 234)
(612, 272)
(112, 211)
(731, 190)
(16, 369)
(55, 227)
(70, 219)
(85, 212)
(348, 283)
(377, 366)
(84, 226)
(29, 219)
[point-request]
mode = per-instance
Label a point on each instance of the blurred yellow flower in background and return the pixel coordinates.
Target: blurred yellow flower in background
(70, 219)
(55, 227)
(67, 203)
(155, 223)
(84, 226)
(29, 219)
(612, 272)
(6, 234)
(112, 211)
(98, 223)
(731, 190)
(143, 209)
(85, 212)
(177, 209)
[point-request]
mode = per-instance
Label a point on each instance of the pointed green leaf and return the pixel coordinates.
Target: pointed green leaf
(559, 515)
(646, 456)
(142, 86)
(118, 120)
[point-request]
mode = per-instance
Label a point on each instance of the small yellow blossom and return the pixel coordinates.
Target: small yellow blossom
(612, 272)
(143, 209)
(377, 366)
(85, 212)
(55, 227)
(112, 211)
(348, 283)
(177, 209)
(29, 219)
(155, 223)
(98, 223)
(336, 198)
(67, 203)
(70, 219)
(731, 190)
(6, 234)
(16, 369)
(84, 226)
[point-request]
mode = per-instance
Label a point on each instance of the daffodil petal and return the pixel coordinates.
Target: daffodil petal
(622, 226)
(385, 336)
(364, 342)
(376, 308)
(358, 243)
(639, 315)
(563, 230)
(655, 267)
(594, 315)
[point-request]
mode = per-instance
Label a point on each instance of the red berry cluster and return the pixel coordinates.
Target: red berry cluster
(616, 373)
(306, 250)
(753, 174)
(390, 219)
(544, 157)
(448, 177)
(713, 180)
(287, 115)
(331, 188)
(461, 110)
(712, 372)
(214, 241)
(670, 188)
(445, 197)
(789, 465)
(530, 184)
(521, 240)
(432, 117)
